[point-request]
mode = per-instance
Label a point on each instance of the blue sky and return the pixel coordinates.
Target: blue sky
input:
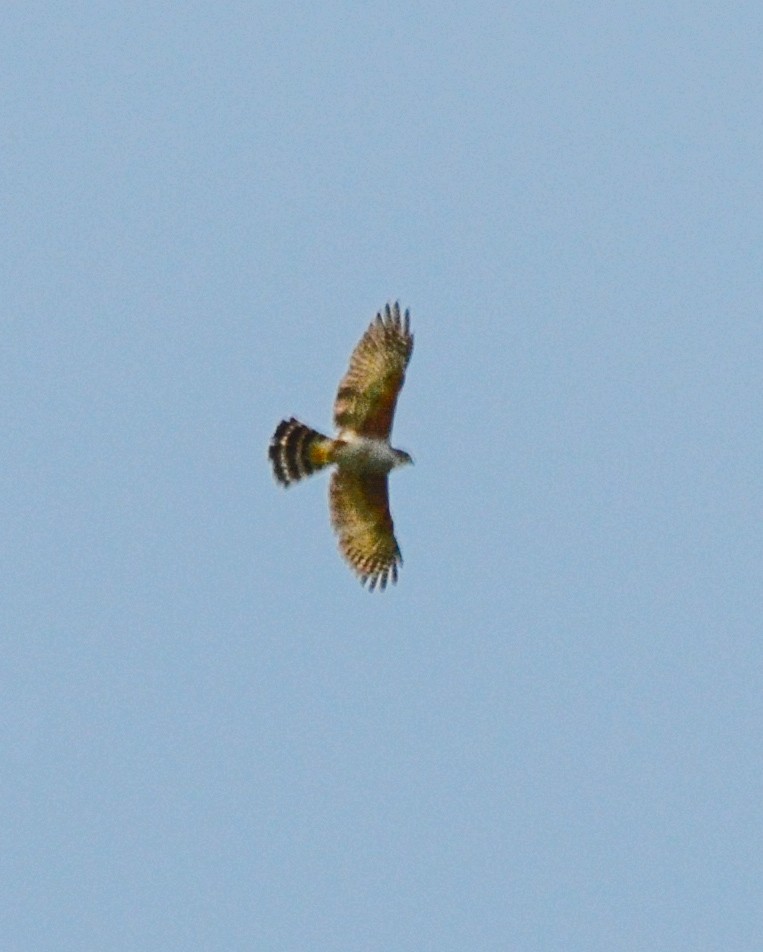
(548, 735)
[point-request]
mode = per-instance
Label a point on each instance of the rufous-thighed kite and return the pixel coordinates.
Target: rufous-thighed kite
(363, 411)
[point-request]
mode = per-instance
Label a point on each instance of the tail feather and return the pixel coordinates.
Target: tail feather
(297, 451)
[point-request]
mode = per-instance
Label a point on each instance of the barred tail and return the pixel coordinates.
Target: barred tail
(297, 451)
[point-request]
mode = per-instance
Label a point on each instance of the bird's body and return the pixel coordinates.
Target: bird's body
(363, 413)
(365, 454)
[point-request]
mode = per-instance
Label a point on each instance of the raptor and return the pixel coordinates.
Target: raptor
(361, 451)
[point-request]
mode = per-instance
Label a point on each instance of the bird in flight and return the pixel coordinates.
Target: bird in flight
(363, 411)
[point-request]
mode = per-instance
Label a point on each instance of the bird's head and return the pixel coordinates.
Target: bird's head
(402, 458)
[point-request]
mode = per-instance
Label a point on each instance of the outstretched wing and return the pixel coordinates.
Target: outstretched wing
(365, 401)
(360, 516)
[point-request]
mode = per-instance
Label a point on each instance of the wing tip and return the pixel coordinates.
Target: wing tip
(380, 578)
(391, 317)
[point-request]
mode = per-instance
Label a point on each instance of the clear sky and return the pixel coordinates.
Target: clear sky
(548, 735)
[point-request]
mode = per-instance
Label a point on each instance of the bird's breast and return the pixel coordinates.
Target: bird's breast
(364, 455)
